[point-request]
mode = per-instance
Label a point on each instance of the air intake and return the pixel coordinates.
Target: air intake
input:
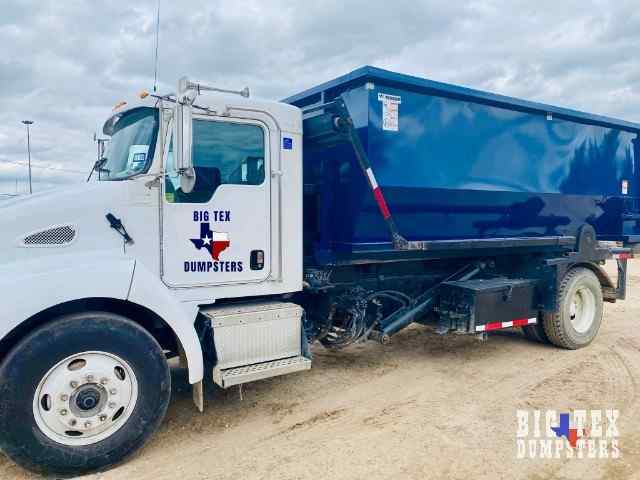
(51, 237)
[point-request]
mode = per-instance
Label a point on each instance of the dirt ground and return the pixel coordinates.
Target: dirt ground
(422, 407)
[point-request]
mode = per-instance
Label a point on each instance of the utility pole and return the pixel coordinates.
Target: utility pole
(27, 123)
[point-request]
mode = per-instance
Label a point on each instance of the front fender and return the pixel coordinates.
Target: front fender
(30, 287)
(33, 286)
(147, 290)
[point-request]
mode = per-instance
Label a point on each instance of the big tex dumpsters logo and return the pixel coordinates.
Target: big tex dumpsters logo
(214, 243)
(577, 434)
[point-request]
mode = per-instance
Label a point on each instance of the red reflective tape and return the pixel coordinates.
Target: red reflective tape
(521, 322)
(623, 256)
(382, 205)
(493, 326)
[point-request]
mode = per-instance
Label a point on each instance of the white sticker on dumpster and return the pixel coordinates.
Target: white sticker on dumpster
(390, 110)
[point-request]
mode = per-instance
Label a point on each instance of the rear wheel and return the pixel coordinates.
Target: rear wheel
(89, 390)
(579, 315)
(536, 332)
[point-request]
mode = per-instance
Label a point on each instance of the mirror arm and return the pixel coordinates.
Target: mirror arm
(185, 85)
(184, 134)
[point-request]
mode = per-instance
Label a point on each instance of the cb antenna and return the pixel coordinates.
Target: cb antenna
(155, 70)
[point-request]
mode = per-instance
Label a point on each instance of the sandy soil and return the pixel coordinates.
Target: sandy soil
(422, 407)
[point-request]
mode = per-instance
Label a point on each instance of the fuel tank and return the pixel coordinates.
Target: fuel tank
(455, 163)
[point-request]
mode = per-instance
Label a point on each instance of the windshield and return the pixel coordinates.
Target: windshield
(132, 142)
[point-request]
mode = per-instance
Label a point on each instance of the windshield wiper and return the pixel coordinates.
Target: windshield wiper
(97, 166)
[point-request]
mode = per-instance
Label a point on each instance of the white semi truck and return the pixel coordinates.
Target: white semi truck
(189, 242)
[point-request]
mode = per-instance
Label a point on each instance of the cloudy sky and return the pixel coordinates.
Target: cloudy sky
(64, 64)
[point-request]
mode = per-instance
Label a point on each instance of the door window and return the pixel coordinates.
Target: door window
(224, 153)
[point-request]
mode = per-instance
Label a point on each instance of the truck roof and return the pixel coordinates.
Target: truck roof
(422, 85)
(288, 116)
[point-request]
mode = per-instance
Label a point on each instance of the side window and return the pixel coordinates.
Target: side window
(223, 153)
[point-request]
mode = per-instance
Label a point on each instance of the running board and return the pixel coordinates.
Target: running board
(258, 371)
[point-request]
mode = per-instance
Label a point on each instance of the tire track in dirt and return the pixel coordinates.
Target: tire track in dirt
(355, 413)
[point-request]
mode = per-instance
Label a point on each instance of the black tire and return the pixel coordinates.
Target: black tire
(536, 332)
(559, 327)
(30, 360)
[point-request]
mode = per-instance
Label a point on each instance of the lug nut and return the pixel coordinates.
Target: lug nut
(113, 391)
(103, 418)
(73, 422)
(64, 397)
(74, 384)
(87, 424)
(104, 381)
(89, 378)
(63, 411)
(112, 404)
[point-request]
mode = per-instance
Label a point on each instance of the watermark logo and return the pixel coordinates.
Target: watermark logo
(576, 434)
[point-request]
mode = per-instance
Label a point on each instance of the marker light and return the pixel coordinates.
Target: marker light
(143, 94)
(119, 104)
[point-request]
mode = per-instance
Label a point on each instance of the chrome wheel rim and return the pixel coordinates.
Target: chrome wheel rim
(85, 398)
(582, 309)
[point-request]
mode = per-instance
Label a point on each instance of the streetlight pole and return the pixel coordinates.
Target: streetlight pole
(27, 123)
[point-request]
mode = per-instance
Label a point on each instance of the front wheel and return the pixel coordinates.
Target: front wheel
(81, 393)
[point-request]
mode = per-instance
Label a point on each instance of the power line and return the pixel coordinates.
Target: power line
(68, 170)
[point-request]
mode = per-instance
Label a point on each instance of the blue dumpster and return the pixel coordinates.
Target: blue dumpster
(460, 164)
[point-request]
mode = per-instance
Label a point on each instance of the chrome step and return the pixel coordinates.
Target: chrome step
(258, 371)
(255, 332)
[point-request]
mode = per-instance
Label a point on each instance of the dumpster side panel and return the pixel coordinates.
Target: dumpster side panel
(454, 144)
(458, 169)
(460, 164)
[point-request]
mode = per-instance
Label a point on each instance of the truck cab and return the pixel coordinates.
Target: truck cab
(224, 236)
(191, 206)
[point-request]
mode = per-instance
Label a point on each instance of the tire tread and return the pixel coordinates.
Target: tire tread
(536, 333)
(553, 323)
(27, 449)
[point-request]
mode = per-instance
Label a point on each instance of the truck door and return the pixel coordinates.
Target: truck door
(219, 233)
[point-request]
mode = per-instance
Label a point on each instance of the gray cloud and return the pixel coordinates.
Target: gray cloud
(65, 64)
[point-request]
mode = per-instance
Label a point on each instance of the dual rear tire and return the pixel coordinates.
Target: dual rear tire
(579, 315)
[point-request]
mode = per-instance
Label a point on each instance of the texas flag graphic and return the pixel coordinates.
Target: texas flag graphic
(213, 242)
(563, 430)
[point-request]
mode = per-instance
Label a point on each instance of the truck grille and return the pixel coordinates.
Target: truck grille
(55, 236)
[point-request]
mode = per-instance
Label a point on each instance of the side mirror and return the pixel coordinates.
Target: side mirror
(184, 138)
